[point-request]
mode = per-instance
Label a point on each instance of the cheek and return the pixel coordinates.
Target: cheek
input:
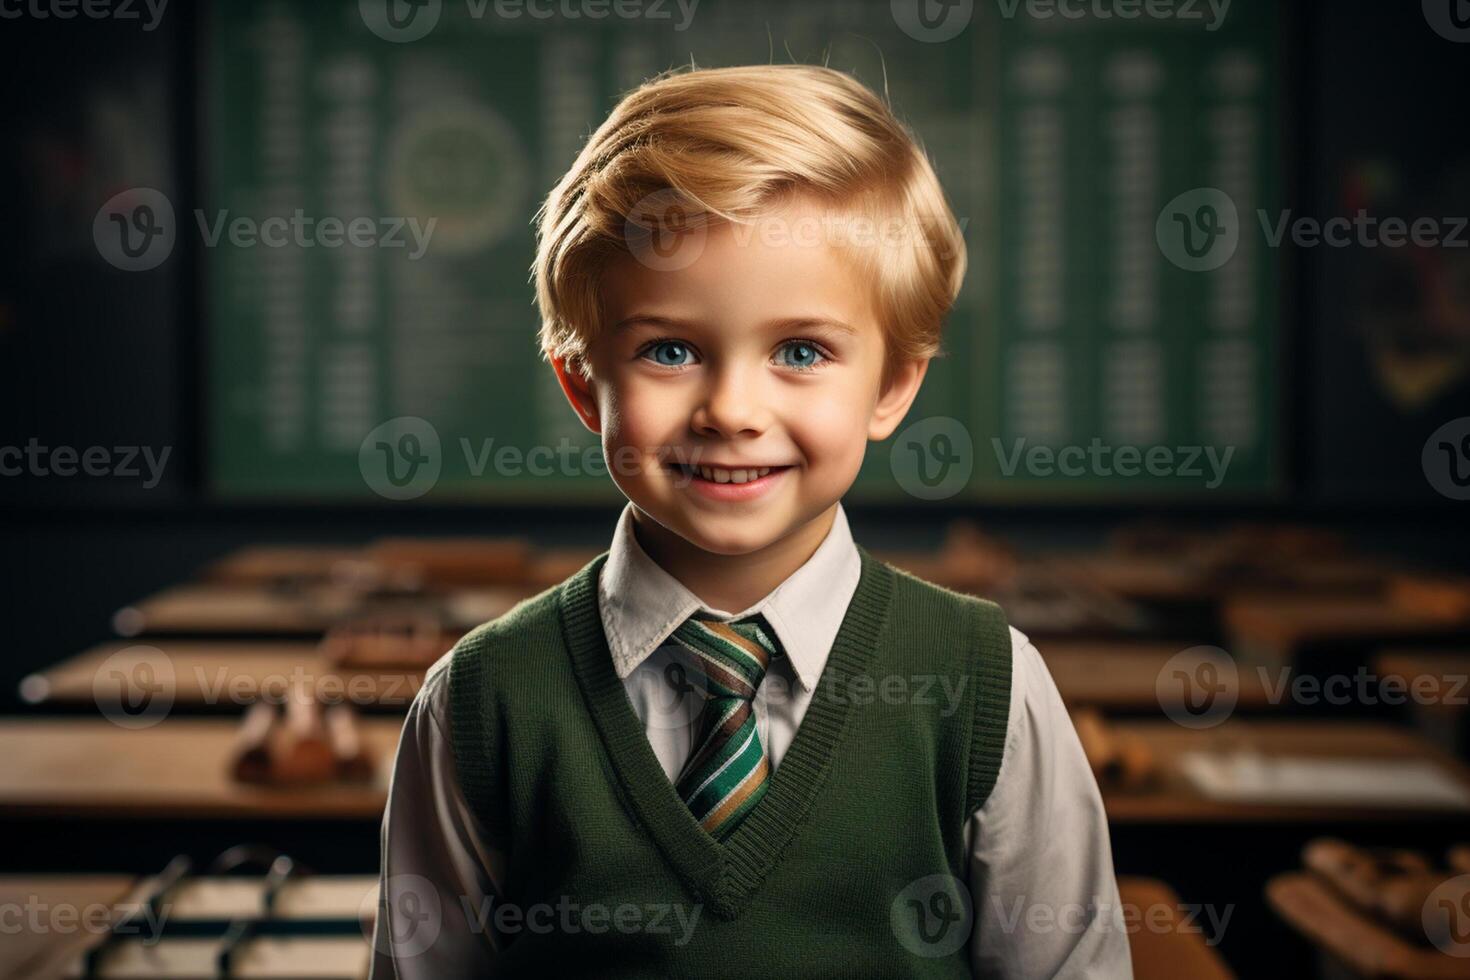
(644, 416)
(833, 430)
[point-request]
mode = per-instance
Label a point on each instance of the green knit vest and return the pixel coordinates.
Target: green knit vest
(852, 864)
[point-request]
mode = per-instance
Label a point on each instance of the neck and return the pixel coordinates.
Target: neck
(731, 583)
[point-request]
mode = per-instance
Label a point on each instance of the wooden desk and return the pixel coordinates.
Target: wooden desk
(272, 564)
(179, 768)
(1123, 675)
(1164, 579)
(218, 674)
(1348, 938)
(57, 918)
(1161, 949)
(223, 610)
(1175, 800)
(24, 948)
(1275, 629)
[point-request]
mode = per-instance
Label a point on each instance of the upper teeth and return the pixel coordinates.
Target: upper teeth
(731, 476)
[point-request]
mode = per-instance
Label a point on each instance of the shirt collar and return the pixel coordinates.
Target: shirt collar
(641, 603)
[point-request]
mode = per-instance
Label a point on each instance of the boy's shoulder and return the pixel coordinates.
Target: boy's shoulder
(529, 617)
(912, 588)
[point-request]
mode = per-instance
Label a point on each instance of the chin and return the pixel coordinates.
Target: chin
(727, 536)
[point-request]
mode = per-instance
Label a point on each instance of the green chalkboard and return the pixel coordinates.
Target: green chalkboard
(376, 358)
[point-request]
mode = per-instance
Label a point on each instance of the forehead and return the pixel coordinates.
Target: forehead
(787, 264)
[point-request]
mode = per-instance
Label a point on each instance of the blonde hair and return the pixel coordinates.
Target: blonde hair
(731, 144)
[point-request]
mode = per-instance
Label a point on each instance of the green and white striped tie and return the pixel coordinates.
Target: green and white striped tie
(726, 775)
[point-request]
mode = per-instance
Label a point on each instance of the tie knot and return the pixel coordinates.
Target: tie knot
(733, 656)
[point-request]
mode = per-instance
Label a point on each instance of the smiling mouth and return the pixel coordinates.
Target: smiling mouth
(719, 474)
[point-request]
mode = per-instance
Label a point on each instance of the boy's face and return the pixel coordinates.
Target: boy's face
(764, 351)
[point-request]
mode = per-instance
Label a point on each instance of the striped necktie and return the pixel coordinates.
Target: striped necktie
(726, 775)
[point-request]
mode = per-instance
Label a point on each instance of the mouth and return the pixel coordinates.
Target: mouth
(737, 475)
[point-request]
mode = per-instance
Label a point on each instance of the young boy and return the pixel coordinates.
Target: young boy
(856, 773)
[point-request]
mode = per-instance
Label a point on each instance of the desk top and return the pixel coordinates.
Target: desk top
(209, 674)
(178, 768)
(1162, 947)
(1124, 675)
(1174, 800)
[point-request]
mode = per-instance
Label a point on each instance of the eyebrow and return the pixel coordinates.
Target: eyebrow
(774, 326)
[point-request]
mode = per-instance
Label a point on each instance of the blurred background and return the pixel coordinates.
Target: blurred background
(275, 431)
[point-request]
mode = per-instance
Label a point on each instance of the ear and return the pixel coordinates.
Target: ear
(897, 395)
(579, 389)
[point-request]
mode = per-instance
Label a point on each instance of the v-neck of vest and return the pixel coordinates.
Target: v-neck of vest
(724, 873)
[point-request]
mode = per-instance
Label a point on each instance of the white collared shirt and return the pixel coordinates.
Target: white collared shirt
(1039, 841)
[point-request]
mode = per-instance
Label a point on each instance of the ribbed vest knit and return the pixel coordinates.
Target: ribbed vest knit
(608, 873)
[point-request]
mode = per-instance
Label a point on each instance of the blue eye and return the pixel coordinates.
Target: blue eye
(803, 355)
(669, 353)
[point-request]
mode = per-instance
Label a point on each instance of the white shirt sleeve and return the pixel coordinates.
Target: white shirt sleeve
(439, 874)
(1044, 893)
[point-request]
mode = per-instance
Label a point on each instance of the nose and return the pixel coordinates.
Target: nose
(732, 404)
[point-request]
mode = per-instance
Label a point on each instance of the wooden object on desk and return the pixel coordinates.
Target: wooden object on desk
(1379, 913)
(1174, 799)
(442, 563)
(1165, 949)
(307, 744)
(1441, 596)
(178, 768)
(221, 674)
